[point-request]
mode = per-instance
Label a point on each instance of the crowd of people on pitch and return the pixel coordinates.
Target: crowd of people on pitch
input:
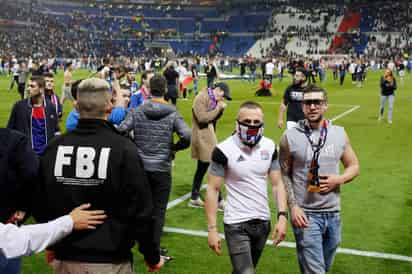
(104, 184)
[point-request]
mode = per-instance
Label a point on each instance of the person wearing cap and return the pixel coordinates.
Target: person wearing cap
(208, 107)
(310, 154)
(243, 162)
(292, 100)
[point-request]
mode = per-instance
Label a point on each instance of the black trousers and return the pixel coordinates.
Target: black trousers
(171, 94)
(160, 184)
(197, 180)
(15, 79)
(21, 88)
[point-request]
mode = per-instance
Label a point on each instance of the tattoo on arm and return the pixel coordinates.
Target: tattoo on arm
(285, 161)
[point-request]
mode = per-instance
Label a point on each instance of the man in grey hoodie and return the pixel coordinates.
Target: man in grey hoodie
(154, 124)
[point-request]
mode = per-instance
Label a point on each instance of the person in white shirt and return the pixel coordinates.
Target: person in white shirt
(15, 79)
(352, 71)
(182, 76)
(243, 162)
(147, 65)
(269, 67)
(391, 65)
(25, 240)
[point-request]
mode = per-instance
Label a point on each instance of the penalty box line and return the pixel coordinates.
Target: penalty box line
(347, 251)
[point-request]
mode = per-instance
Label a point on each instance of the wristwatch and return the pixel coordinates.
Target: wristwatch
(283, 213)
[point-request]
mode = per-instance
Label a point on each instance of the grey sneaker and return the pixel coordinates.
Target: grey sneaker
(196, 203)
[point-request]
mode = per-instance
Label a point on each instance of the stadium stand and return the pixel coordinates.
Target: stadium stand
(279, 28)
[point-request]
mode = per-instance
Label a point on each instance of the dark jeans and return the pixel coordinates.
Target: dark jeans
(342, 79)
(21, 88)
(15, 79)
(197, 180)
(245, 242)
(210, 82)
(11, 266)
(171, 94)
(160, 185)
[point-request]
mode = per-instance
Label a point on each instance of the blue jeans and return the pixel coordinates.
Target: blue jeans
(316, 245)
(11, 266)
(245, 242)
(391, 100)
(195, 85)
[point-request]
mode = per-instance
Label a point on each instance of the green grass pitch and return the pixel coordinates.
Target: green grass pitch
(376, 206)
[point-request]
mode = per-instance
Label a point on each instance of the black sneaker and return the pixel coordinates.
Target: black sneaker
(163, 251)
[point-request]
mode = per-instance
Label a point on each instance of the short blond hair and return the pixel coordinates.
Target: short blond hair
(92, 98)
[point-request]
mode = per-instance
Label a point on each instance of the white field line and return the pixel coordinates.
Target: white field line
(355, 252)
(345, 113)
(181, 199)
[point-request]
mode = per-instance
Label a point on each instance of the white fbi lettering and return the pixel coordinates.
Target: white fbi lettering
(85, 167)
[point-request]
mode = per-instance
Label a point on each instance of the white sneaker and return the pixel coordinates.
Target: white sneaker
(380, 118)
(196, 203)
(390, 121)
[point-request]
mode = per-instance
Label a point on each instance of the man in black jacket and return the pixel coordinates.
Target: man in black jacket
(35, 117)
(94, 164)
(18, 164)
(211, 73)
(154, 124)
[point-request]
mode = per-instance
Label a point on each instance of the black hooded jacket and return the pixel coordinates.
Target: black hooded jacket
(18, 165)
(94, 164)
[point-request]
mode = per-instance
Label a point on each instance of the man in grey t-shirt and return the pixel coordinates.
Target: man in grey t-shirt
(309, 159)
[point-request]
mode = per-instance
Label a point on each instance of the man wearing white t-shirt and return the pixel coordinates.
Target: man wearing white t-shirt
(182, 76)
(269, 67)
(243, 162)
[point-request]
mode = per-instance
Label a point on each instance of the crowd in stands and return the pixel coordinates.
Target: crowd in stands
(100, 29)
